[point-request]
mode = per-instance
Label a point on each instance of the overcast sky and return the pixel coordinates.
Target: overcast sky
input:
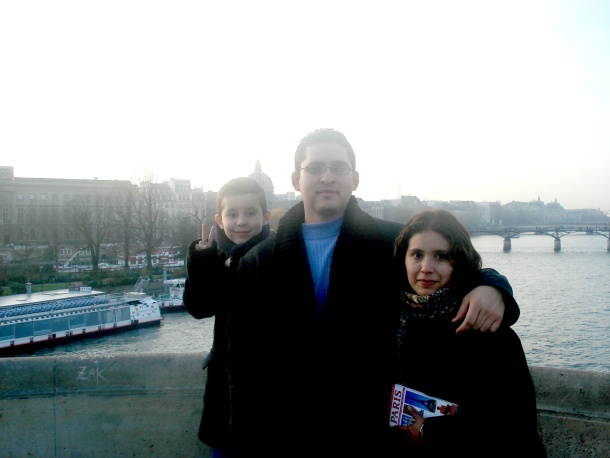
(443, 100)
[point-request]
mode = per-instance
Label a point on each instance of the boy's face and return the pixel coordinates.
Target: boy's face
(242, 217)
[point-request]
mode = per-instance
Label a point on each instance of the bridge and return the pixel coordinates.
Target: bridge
(557, 232)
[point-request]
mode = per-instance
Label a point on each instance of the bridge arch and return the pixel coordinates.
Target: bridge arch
(556, 232)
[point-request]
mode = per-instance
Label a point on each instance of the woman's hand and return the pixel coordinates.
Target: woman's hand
(413, 429)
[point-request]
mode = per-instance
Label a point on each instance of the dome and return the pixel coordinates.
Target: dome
(263, 179)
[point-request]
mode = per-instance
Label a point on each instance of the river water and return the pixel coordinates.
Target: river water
(564, 299)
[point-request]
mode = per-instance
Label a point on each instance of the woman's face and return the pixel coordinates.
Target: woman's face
(427, 261)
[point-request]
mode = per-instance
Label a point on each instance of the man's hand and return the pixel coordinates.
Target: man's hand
(482, 309)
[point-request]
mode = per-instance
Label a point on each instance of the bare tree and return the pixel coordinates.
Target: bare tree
(150, 216)
(29, 248)
(199, 210)
(51, 233)
(26, 253)
(90, 216)
(187, 230)
(124, 216)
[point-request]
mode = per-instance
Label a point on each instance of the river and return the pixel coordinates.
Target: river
(564, 299)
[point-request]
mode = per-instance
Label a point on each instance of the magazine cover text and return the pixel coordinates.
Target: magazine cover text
(426, 406)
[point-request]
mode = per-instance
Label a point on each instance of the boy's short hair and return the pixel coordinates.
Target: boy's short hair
(238, 186)
(324, 135)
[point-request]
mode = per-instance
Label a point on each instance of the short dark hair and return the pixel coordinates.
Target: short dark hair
(238, 186)
(465, 258)
(323, 135)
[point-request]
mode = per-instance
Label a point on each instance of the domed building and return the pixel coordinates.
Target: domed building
(264, 180)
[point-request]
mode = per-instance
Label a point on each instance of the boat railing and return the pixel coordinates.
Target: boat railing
(51, 306)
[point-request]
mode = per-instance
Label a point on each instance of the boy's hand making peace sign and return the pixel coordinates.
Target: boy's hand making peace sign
(206, 242)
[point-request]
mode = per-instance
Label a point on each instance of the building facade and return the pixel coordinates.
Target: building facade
(44, 220)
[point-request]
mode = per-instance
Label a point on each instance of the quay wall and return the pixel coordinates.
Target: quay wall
(149, 405)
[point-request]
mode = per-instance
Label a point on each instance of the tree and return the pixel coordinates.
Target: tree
(199, 208)
(30, 246)
(275, 216)
(123, 214)
(51, 232)
(185, 231)
(90, 216)
(188, 227)
(150, 216)
(25, 253)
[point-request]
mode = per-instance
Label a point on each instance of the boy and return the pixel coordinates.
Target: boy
(242, 220)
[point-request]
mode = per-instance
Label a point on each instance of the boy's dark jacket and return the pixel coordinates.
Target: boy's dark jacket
(307, 388)
(209, 288)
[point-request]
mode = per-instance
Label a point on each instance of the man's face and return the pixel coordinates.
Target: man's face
(325, 195)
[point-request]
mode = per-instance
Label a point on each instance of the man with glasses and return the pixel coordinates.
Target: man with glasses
(311, 339)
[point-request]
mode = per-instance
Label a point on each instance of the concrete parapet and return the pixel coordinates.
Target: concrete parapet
(133, 405)
(573, 411)
(149, 405)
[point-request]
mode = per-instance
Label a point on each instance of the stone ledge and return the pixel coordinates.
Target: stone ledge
(149, 405)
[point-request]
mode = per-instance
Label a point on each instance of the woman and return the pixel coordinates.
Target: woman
(492, 392)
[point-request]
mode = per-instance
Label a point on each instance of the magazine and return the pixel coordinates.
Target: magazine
(426, 406)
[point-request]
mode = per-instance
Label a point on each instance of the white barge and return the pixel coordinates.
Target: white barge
(172, 300)
(52, 317)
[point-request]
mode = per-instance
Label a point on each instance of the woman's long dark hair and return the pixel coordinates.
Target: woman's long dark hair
(465, 259)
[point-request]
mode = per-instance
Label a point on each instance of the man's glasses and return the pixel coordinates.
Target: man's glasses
(319, 168)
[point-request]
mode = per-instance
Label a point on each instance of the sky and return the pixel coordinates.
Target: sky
(494, 101)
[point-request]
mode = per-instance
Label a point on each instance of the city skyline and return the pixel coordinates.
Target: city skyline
(296, 194)
(472, 100)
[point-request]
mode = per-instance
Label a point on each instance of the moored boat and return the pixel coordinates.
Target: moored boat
(171, 301)
(51, 317)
